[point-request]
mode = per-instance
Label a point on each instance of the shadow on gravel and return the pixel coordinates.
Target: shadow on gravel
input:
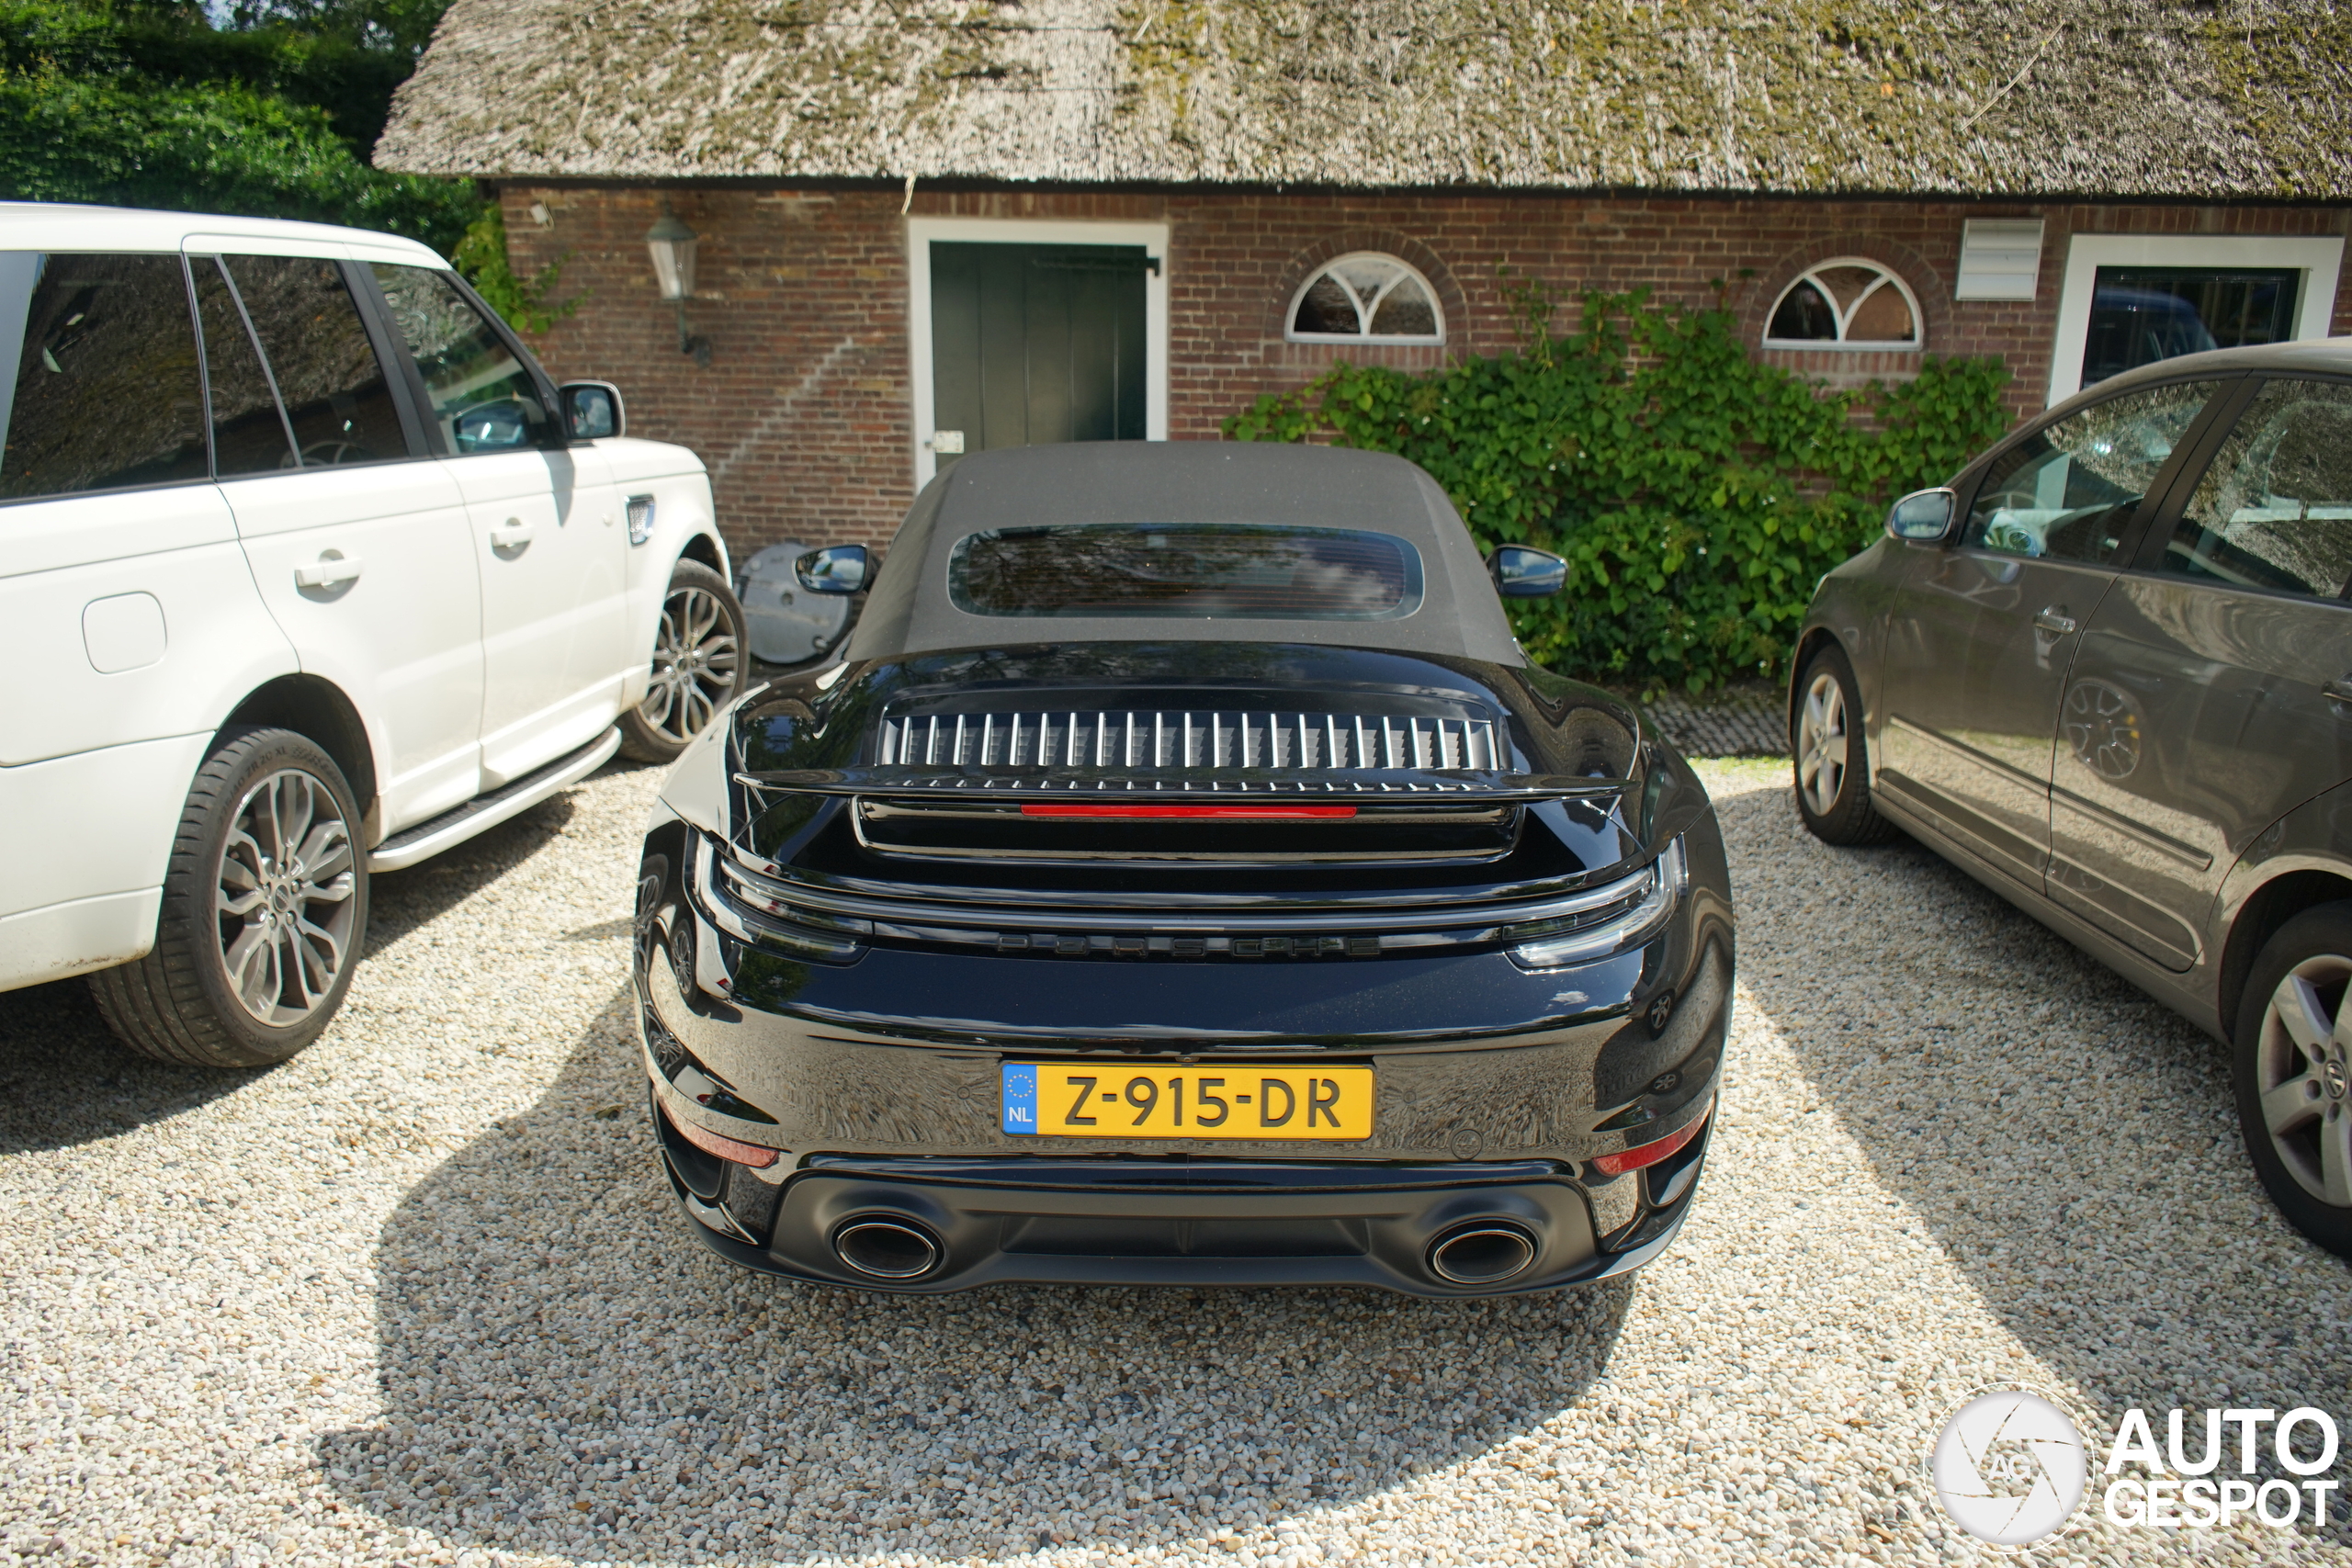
(2072, 1144)
(401, 901)
(65, 1079)
(564, 1371)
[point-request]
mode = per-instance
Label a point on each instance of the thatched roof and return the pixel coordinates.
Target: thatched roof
(2197, 99)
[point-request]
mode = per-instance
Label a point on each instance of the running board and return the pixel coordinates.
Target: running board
(483, 812)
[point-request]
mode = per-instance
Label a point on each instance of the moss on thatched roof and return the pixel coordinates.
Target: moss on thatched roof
(2025, 98)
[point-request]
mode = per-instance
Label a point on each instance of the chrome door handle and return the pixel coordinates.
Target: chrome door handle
(2054, 621)
(516, 533)
(328, 571)
(2338, 689)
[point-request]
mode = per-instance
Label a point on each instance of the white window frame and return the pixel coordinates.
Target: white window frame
(921, 232)
(1414, 340)
(2319, 258)
(1916, 342)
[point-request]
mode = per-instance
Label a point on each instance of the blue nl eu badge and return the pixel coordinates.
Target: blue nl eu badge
(1020, 1098)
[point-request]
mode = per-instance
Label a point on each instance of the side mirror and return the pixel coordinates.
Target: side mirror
(836, 568)
(1923, 517)
(591, 410)
(1521, 573)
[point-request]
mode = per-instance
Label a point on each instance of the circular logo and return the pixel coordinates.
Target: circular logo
(2334, 1073)
(2009, 1467)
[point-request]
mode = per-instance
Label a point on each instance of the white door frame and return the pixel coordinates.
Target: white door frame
(921, 232)
(2320, 258)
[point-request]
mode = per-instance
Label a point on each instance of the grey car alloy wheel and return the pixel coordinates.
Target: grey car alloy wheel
(696, 657)
(284, 897)
(1821, 744)
(2303, 1073)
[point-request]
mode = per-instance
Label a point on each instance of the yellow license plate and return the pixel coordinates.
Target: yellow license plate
(1101, 1099)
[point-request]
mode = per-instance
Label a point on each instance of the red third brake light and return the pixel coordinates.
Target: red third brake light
(1649, 1154)
(1227, 813)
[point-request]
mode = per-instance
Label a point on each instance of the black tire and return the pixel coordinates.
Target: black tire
(1838, 813)
(701, 661)
(2307, 1088)
(181, 1002)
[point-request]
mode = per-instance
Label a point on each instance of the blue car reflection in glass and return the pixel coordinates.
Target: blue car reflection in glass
(2141, 315)
(500, 426)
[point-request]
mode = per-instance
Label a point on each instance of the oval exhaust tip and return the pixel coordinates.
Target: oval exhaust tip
(887, 1249)
(1484, 1254)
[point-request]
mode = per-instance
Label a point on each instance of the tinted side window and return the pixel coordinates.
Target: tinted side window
(2275, 508)
(336, 395)
(103, 390)
(2068, 492)
(483, 398)
(248, 435)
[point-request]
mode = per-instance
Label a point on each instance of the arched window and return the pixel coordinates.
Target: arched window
(1366, 295)
(1846, 303)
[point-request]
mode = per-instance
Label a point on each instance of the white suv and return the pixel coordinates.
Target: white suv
(306, 570)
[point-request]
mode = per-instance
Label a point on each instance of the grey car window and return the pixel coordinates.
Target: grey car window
(2274, 509)
(103, 391)
(2067, 491)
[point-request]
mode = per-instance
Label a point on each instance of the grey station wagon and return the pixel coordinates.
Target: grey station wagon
(2107, 671)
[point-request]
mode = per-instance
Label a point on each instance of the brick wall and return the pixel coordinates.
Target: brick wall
(804, 412)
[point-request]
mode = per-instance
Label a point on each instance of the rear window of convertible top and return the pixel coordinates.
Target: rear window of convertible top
(1186, 571)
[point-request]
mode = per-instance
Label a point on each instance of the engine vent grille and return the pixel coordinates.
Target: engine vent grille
(1195, 738)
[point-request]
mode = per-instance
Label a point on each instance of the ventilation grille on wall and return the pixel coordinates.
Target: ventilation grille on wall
(2000, 258)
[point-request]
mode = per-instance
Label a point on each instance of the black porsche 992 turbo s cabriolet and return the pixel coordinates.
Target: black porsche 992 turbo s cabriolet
(1183, 877)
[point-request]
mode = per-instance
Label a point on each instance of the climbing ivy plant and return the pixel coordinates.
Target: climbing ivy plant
(1697, 495)
(526, 302)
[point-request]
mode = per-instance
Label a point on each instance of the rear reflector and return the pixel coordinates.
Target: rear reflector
(1649, 1154)
(1221, 813)
(710, 1143)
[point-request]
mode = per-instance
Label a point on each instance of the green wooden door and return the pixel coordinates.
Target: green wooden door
(1036, 344)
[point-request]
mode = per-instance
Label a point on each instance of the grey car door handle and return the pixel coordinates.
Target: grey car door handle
(2338, 689)
(515, 534)
(2054, 621)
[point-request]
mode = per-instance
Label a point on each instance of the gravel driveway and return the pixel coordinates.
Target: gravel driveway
(420, 1296)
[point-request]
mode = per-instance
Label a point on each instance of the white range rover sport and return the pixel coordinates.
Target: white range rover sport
(307, 571)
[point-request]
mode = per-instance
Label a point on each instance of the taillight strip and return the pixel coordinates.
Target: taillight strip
(1224, 813)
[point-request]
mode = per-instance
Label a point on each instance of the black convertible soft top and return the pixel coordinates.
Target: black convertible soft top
(909, 609)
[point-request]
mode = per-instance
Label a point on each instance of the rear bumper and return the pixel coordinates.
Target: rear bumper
(1045, 1221)
(870, 1085)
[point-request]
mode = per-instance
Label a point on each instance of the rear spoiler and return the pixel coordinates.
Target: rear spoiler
(1400, 785)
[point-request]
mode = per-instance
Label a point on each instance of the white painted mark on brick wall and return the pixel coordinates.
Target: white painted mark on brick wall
(769, 424)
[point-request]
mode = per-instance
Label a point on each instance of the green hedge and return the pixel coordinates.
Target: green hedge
(151, 105)
(1697, 495)
(210, 148)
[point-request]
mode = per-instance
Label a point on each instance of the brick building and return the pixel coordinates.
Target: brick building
(930, 227)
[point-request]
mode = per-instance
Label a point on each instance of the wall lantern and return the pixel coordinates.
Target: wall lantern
(672, 245)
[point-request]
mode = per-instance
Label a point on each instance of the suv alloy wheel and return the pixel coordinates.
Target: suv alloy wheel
(699, 664)
(264, 909)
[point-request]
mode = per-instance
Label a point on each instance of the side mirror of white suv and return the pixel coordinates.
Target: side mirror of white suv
(593, 410)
